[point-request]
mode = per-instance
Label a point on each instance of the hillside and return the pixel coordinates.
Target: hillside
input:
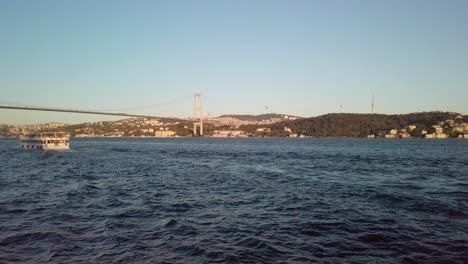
(414, 125)
(361, 125)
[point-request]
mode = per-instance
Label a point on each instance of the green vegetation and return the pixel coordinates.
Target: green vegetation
(360, 125)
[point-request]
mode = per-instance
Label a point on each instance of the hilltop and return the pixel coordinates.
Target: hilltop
(261, 117)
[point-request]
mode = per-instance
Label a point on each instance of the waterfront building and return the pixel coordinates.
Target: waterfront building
(164, 133)
(229, 133)
(405, 135)
(441, 136)
(430, 136)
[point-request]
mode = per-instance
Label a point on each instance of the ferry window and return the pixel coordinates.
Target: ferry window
(27, 146)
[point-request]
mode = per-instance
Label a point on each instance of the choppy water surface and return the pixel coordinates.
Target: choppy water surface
(235, 200)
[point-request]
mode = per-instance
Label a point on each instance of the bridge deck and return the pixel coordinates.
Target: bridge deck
(74, 111)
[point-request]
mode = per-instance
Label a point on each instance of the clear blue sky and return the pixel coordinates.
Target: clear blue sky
(303, 58)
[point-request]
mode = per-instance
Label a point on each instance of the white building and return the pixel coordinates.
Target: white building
(405, 135)
(464, 126)
(228, 133)
(436, 136)
(164, 133)
(438, 129)
(430, 136)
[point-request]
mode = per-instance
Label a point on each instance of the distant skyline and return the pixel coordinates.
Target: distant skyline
(303, 58)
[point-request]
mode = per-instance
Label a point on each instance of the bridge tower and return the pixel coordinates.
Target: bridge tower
(198, 113)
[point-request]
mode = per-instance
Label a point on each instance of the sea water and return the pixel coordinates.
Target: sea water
(247, 200)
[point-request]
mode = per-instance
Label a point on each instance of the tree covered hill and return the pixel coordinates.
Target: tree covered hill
(360, 125)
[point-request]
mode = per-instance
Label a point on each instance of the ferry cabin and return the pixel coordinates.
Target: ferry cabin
(45, 140)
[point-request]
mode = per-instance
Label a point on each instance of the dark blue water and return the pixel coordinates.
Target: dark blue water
(235, 200)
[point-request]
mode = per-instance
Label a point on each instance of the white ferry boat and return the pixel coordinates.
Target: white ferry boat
(45, 140)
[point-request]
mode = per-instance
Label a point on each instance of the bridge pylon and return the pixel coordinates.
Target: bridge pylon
(198, 113)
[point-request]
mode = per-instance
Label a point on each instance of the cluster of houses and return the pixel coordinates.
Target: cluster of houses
(438, 133)
(24, 129)
(143, 127)
(229, 133)
(259, 131)
(441, 130)
(236, 123)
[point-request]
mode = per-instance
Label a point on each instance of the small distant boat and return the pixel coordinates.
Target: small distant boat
(45, 140)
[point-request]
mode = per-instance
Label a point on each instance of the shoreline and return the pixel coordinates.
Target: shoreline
(431, 139)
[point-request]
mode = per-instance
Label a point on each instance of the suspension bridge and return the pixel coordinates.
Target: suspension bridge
(197, 111)
(73, 111)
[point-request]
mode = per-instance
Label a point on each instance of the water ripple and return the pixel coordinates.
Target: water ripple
(235, 201)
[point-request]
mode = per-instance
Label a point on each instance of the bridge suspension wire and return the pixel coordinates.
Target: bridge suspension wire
(4, 104)
(173, 101)
(208, 106)
(177, 100)
(74, 111)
